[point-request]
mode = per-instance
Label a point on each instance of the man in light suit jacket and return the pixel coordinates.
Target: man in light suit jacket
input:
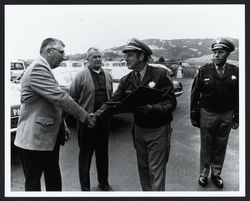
(41, 126)
(152, 128)
(90, 89)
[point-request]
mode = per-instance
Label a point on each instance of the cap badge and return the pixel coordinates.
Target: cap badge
(218, 40)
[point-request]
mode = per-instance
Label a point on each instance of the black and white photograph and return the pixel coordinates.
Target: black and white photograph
(124, 100)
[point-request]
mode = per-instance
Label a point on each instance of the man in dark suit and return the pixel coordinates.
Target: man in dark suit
(215, 109)
(41, 126)
(152, 130)
(90, 89)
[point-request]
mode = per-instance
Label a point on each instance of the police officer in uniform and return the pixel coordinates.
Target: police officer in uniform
(152, 128)
(215, 109)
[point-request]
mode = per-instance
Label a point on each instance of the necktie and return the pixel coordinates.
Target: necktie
(138, 78)
(220, 71)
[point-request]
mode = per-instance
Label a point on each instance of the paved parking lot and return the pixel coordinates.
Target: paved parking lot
(182, 168)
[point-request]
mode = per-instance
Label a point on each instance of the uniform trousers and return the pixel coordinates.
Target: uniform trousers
(152, 148)
(92, 140)
(214, 130)
(37, 162)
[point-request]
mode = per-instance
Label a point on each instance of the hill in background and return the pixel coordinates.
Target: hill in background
(182, 50)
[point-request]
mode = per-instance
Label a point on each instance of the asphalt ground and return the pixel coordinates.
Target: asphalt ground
(182, 168)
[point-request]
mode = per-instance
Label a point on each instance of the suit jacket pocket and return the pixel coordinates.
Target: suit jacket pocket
(45, 121)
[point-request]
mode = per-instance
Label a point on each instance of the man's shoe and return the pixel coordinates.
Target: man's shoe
(203, 181)
(85, 189)
(105, 187)
(217, 181)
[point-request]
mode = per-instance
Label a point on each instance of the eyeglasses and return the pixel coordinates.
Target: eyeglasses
(60, 51)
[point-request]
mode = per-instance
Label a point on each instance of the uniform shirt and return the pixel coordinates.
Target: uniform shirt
(214, 93)
(142, 73)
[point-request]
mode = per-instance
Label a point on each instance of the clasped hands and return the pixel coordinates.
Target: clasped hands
(91, 120)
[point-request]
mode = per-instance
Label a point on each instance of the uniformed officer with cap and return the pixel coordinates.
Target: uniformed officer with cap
(215, 109)
(152, 128)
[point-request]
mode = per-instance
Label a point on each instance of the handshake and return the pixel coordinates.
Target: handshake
(91, 120)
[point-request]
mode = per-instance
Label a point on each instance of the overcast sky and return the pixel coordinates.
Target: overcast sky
(106, 26)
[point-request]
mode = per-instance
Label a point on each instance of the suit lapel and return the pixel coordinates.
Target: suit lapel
(214, 71)
(133, 80)
(227, 71)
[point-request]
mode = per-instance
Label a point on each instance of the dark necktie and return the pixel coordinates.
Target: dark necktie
(138, 78)
(220, 71)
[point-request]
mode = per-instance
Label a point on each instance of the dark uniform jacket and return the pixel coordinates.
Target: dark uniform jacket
(160, 113)
(214, 93)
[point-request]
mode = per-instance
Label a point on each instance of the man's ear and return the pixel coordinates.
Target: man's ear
(48, 51)
(141, 56)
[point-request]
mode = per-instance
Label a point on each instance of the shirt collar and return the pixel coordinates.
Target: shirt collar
(142, 72)
(222, 67)
(96, 71)
(46, 62)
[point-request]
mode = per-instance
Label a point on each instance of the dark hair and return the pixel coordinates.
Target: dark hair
(50, 42)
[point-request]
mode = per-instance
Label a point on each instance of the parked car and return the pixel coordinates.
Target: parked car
(116, 69)
(16, 69)
(64, 76)
(72, 64)
(178, 88)
(15, 106)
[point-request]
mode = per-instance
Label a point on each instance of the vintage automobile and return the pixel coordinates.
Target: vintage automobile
(16, 69)
(72, 64)
(178, 88)
(15, 106)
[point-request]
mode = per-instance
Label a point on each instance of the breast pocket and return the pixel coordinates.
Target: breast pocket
(45, 121)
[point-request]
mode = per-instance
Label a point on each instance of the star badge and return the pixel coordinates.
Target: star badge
(233, 77)
(151, 84)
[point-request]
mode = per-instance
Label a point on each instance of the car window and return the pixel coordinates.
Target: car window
(17, 66)
(116, 64)
(63, 65)
(76, 65)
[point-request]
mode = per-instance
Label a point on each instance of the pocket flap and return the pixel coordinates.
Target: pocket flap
(45, 121)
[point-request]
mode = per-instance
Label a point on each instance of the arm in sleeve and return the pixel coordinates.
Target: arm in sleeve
(75, 87)
(105, 110)
(194, 100)
(44, 84)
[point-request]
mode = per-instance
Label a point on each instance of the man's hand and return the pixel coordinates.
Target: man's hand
(91, 120)
(235, 122)
(195, 118)
(67, 134)
(144, 109)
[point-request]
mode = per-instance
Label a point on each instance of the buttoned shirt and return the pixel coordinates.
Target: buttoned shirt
(222, 68)
(142, 72)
